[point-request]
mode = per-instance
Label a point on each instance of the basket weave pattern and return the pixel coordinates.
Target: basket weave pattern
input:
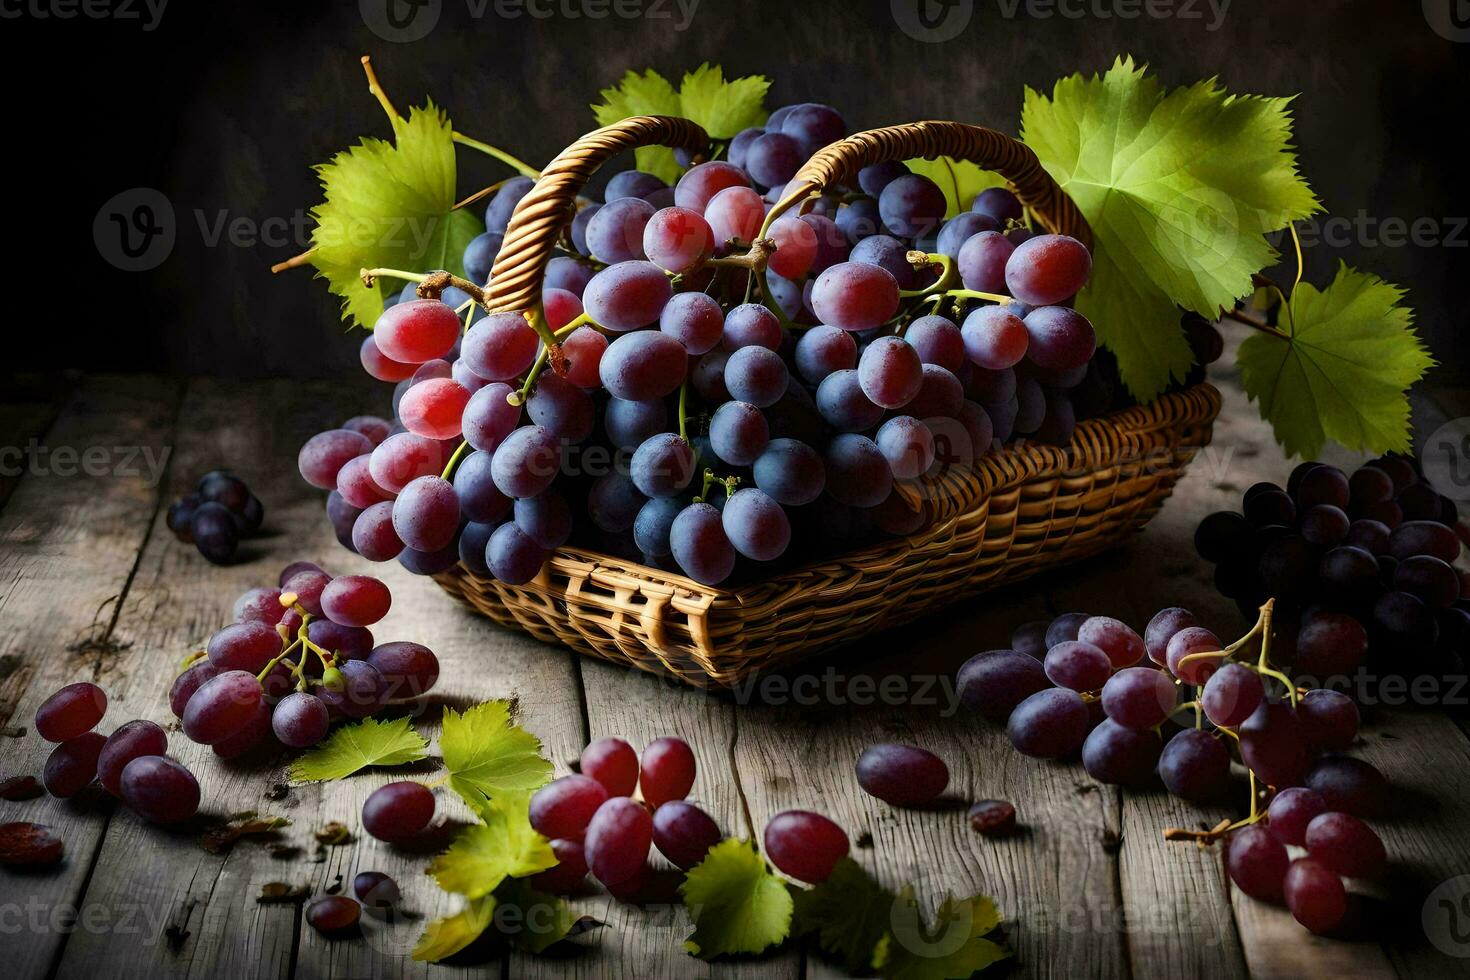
(1011, 514)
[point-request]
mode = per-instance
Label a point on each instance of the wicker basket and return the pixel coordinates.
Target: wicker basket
(1011, 514)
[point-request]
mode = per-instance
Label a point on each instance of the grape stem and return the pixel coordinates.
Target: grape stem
(921, 260)
(370, 276)
(1252, 322)
(684, 409)
(519, 397)
(753, 260)
(378, 92)
(453, 461)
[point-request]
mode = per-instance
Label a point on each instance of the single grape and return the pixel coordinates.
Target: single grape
(1329, 719)
(159, 789)
(1315, 895)
(409, 669)
(907, 444)
(1195, 766)
(702, 182)
(734, 214)
(903, 775)
(333, 915)
(700, 545)
(678, 240)
(804, 845)
(790, 472)
(72, 765)
(416, 331)
(960, 229)
(1058, 338)
(222, 706)
(643, 365)
(613, 502)
(995, 338)
(684, 833)
(376, 890)
(1065, 628)
(739, 433)
(812, 125)
(1273, 745)
(1077, 666)
(1349, 785)
(911, 206)
(666, 771)
(380, 366)
(1329, 644)
(995, 682)
(570, 869)
(1423, 538)
(855, 296)
(300, 720)
(1000, 203)
(500, 347)
(563, 807)
(186, 683)
(524, 465)
(1257, 863)
(513, 556)
(1121, 756)
(982, 261)
(613, 763)
(1049, 724)
(755, 525)
(694, 320)
(617, 840)
(245, 646)
(615, 232)
(1048, 269)
(993, 818)
(663, 465)
(1139, 697)
(844, 405)
(1231, 695)
(940, 395)
(756, 375)
(498, 212)
(653, 525)
(357, 690)
(1290, 812)
(1196, 642)
(858, 474)
(324, 455)
(1113, 637)
(796, 247)
(890, 372)
(398, 811)
(1030, 638)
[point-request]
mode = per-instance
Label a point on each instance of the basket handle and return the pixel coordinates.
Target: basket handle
(542, 214)
(839, 163)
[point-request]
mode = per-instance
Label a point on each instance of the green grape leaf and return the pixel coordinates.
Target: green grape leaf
(390, 205)
(736, 902)
(447, 936)
(535, 921)
(487, 753)
(369, 742)
(846, 915)
(960, 180)
(485, 854)
(953, 948)
(722, 107)
(1343, 370)
(1180, 188)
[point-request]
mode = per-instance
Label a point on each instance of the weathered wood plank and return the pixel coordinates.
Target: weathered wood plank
(69, 542)
(1050, 881)
(648, 940)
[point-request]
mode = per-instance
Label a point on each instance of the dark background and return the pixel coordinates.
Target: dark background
(224, 106)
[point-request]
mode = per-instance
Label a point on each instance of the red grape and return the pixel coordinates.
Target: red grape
(804, 845)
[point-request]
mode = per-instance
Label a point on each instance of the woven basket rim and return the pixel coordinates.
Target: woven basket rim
(1000, 470)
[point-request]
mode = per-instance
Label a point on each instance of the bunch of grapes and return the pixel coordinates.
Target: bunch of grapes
(1091, 685)
(1361, 568)
(700, 390)
(214, 518)
(298, 657)
(132, 763)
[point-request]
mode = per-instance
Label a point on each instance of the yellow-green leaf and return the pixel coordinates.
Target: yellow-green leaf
(737, 903)
(447, 936)
(952, 948)
(485, 854)
(488, 754)
(960, 180)
(1180, 188)
(350, 748)
(722, 107)
(390, 205)
(1343, 370)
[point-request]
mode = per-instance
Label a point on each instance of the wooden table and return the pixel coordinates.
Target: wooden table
(94, 587)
